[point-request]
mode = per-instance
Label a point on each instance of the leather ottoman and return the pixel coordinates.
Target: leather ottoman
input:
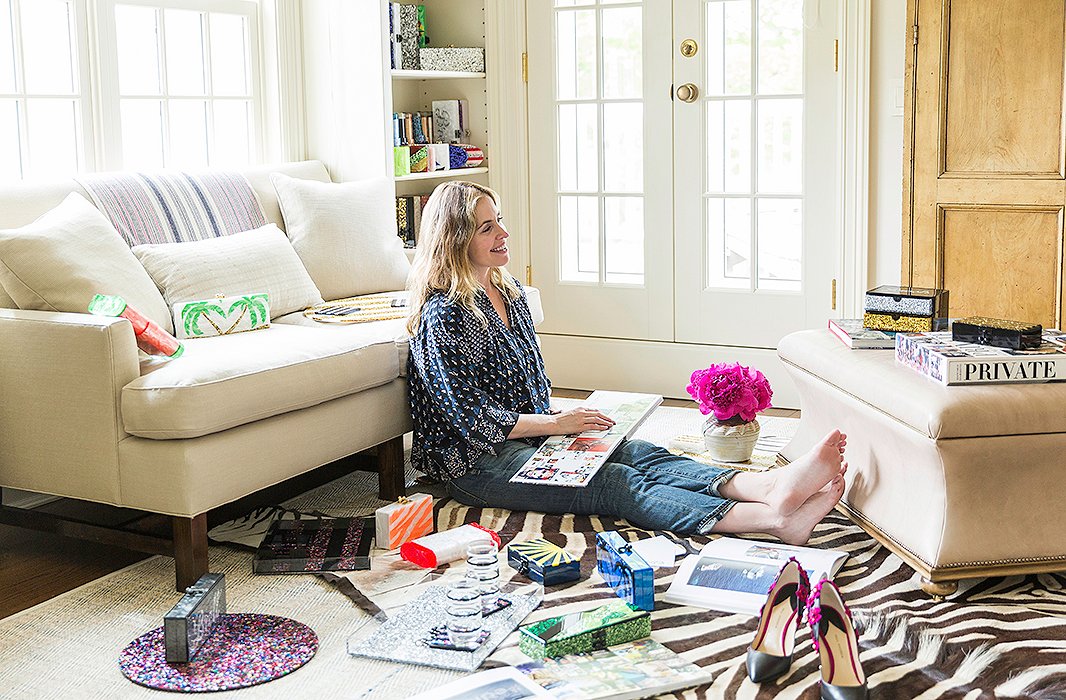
(961, 481)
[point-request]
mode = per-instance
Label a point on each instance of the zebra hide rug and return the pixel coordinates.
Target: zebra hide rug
(997, 637)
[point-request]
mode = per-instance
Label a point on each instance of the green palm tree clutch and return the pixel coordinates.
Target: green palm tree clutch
(222, 315)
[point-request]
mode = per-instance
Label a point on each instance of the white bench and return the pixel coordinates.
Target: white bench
(961, 482)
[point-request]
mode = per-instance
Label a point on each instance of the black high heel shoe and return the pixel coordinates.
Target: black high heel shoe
(770, 653)
(833, 632)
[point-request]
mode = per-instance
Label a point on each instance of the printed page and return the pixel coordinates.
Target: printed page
(734, 575)
(572, 460)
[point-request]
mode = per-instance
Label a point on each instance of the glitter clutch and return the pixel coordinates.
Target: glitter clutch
(308, 545)
(632, 578)
(615, 623)
(192, 621)
(908, 301)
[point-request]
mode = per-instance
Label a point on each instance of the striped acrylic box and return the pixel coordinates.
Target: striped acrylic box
(407, 519)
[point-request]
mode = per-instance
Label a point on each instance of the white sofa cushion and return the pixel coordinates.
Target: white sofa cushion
(392, 331)
(70, 253)
(345, 233)
(226, 381)
(261, 260)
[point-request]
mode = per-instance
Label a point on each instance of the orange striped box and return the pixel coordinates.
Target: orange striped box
(407, 519)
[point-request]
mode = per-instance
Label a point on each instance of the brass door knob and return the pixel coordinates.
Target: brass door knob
(689, 47)
(688, 92)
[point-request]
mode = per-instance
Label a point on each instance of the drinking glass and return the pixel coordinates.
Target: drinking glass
(462, 610)
(483, 566)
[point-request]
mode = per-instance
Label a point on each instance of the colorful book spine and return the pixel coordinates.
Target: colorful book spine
(403, 219)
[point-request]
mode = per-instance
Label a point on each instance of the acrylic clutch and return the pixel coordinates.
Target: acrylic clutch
(997, 332)
(576, 633)
(192, 621)
(409, 518)
(632, 578)
(908, 301)
(544, 562)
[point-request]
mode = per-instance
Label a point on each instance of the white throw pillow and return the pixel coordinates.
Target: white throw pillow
(345, 233)
(68, 255)
(260, 260)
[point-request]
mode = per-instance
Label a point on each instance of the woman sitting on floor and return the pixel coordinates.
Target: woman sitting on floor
(479, 399)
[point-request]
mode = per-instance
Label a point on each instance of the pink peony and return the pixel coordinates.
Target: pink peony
(730, 389)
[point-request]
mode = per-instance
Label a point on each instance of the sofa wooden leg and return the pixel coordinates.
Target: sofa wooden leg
(190, 549)
(939, 589)
(391, 477)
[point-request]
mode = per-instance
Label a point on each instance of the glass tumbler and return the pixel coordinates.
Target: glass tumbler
(483, 566)
(462, 609)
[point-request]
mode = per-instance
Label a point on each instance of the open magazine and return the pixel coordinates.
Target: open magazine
(734, 575)
(640, 669)
(572, 460)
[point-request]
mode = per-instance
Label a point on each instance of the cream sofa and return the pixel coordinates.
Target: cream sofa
(234, 415)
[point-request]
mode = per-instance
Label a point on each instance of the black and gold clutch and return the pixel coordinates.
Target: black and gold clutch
(997, 332)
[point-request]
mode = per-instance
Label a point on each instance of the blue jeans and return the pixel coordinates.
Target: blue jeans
(642, 483)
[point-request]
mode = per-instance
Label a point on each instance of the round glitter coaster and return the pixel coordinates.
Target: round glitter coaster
(246, 649)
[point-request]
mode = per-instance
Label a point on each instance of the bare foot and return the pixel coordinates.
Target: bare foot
(796, 528)
(798, 481)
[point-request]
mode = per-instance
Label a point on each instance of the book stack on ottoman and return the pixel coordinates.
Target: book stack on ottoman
(956, 480)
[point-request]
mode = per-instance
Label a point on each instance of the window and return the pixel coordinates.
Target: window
(176, 84)
(186, 93)
(41, 84)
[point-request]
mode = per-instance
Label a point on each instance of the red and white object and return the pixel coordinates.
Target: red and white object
(407, 519)
(442, 547)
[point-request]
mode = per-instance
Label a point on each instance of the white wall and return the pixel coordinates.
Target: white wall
(887, 56)
(346, 126)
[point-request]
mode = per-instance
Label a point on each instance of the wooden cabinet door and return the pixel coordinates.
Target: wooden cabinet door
(984, 155)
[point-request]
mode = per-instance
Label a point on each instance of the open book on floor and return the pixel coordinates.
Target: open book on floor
(572, 460)
(734, 575)
(640, 669)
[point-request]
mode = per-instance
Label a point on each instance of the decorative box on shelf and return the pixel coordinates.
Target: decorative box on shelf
(906, 309)
(452, 58)
(997, 332)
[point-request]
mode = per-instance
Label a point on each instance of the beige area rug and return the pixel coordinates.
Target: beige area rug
(68, 647)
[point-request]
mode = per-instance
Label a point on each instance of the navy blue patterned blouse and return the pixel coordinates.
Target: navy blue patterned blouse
(468, 383)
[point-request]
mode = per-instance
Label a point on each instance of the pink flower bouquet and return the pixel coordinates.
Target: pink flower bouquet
(730, 390)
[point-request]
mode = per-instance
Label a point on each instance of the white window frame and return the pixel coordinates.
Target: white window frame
(82, 96)
(108, 115)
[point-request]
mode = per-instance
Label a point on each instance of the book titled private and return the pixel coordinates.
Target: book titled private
(951, 362)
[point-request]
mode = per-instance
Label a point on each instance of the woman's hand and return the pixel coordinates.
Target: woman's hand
(578, 420)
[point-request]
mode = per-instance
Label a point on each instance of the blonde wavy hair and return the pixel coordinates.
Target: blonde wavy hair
(442, 262)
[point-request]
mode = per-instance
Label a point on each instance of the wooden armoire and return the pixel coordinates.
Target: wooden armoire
(984, 182)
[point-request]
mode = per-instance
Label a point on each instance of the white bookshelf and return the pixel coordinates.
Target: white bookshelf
(443, 174)
(448, 23)
(435, 75)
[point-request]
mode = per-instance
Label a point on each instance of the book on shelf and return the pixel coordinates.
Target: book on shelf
(409, 217)
(734, 575)
(937, 356)
(395, 56)
(450, 121)
(572, 460)
(851, 332)
(630, 671)
(307, 545)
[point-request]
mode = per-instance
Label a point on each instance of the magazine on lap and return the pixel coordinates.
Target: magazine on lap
(734, 575)
(572, 460)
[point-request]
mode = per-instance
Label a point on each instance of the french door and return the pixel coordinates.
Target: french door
(683, 167)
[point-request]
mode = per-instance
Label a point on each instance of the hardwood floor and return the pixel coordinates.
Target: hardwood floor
(37, 566)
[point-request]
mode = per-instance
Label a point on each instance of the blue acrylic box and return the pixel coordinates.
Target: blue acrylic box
(632, 578)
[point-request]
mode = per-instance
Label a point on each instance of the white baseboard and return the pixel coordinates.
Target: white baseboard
(26, 499)
(577, 362)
